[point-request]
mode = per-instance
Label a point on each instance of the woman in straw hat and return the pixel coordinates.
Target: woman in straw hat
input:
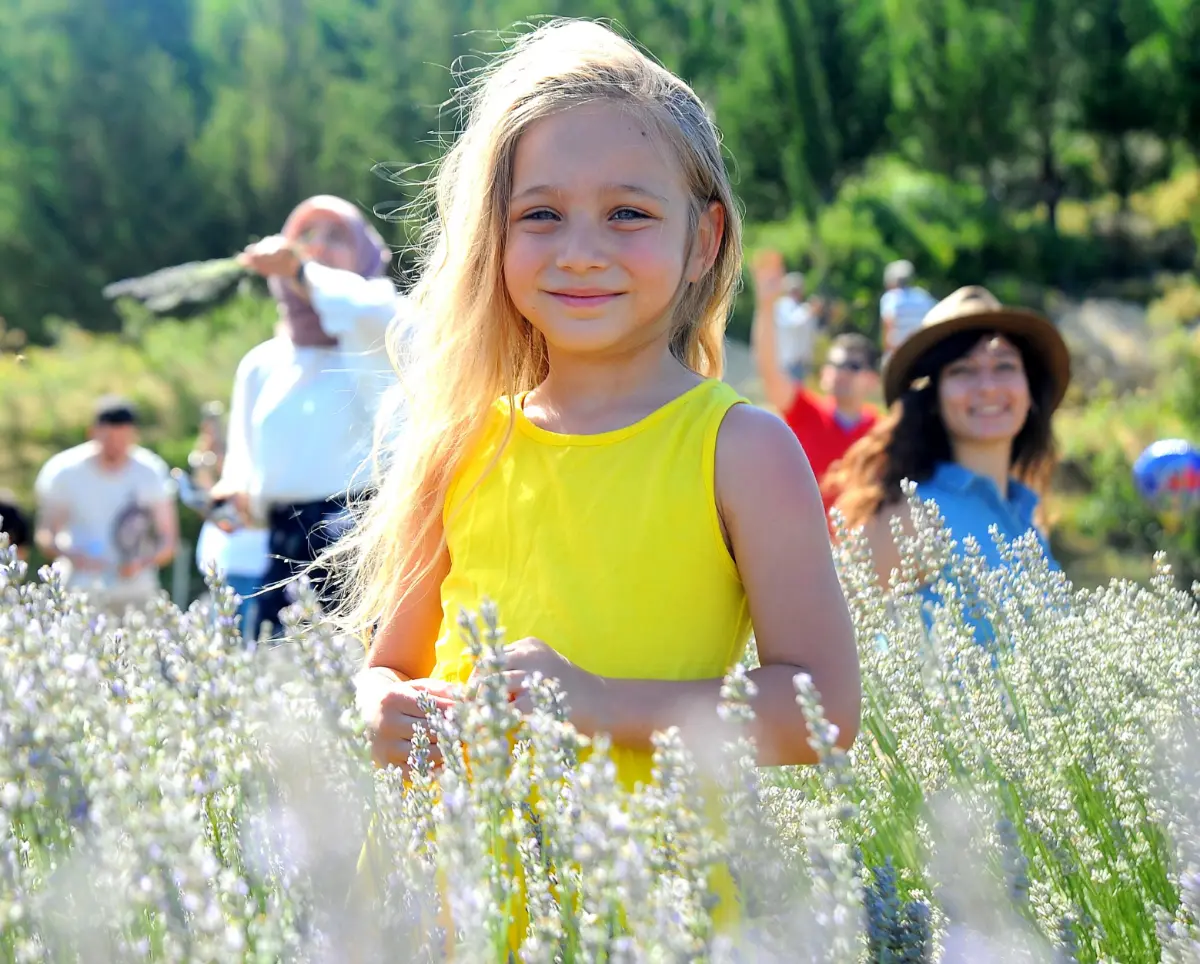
(971, 395)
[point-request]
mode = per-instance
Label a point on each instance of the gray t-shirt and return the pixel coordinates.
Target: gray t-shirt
(109, 515)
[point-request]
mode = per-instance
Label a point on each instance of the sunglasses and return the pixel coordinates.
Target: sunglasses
(850, 365)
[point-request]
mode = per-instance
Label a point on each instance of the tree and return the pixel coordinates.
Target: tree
(95, 124)
(1123, 82)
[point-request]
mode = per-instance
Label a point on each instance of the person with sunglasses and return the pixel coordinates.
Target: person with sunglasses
(306, 404)
(829, 422)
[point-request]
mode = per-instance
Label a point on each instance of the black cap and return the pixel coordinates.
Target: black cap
(114, 410)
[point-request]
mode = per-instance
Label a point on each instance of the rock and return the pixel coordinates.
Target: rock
(1110, 341)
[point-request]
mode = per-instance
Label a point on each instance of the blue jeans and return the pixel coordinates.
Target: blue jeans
(245, 587)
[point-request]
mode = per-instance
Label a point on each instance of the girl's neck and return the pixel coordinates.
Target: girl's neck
(992, 460)
(580, 391)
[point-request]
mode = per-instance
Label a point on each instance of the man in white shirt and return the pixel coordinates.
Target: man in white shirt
(903, 306)
(106, 511)
(795, 329)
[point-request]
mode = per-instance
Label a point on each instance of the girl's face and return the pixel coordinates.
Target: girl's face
(598, 238)
(984, 396)
(324, 238)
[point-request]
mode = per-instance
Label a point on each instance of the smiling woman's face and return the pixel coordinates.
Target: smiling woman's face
(984, 396)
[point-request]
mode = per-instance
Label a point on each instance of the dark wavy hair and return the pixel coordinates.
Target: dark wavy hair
(911, 439)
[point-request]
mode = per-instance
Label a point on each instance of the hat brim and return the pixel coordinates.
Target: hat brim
(1035, 331)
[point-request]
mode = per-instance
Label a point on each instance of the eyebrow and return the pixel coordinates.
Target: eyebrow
(606, 189)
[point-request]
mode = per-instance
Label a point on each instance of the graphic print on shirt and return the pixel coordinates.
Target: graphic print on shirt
(134, 534)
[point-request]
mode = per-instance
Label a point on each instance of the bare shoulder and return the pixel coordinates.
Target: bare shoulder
(759, 457)
(894, 509)
(750, 432)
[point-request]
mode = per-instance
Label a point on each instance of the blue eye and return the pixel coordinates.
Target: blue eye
(541, 214)
(629, 214)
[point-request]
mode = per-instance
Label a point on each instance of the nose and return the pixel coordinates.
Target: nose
(988, 384)
(581, 248)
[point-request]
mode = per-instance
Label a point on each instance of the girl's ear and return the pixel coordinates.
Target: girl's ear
(707, 244)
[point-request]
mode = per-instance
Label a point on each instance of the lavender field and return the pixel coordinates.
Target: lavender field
(167, 794)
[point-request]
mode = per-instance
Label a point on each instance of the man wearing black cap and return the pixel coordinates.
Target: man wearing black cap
(106, 508)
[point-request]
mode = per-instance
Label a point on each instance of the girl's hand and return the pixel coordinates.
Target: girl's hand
(389, 707)
(528, 656)
(271, 256)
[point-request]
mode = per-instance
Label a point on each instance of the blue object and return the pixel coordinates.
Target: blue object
(1167, 473)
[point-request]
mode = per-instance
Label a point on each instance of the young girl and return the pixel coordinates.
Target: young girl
(569, 450)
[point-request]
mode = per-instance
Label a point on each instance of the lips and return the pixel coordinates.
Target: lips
(584, 297)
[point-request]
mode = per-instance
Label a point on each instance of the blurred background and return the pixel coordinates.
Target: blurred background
(1046, 148)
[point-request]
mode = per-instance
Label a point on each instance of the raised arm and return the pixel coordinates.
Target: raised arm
(779, 388)
(355, 310)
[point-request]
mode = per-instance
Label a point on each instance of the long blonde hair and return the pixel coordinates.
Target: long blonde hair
(470, 345)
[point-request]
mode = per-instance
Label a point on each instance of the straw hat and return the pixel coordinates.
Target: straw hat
(976, 309)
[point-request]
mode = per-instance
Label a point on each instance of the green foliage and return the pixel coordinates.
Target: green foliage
(138, 135)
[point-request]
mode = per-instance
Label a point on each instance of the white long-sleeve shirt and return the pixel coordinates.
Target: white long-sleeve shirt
(301, 419)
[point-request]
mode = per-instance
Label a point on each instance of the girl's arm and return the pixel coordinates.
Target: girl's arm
(403, 644)
(399, 661)
(771, 507)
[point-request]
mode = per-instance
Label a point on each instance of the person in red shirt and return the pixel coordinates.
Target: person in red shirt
(829, 422)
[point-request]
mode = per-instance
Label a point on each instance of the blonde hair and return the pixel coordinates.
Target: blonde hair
(470, 345)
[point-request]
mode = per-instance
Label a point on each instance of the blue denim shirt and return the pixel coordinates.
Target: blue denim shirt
(969, 505)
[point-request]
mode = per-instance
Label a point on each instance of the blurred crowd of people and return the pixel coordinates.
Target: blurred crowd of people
(272, 472)
(968, 387)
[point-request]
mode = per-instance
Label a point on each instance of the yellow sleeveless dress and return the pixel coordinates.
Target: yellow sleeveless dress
(607, 547)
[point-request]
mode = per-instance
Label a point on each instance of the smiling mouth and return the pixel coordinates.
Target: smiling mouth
(990, 411)
(584, 297)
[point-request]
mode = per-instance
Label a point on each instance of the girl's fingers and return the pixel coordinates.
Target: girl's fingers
(390, 752)
(444, 694)
(396, 753)
(401, 728)
(514, 683)
(511, 678)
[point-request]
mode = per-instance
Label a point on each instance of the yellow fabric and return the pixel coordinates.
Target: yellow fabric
(607, 547)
